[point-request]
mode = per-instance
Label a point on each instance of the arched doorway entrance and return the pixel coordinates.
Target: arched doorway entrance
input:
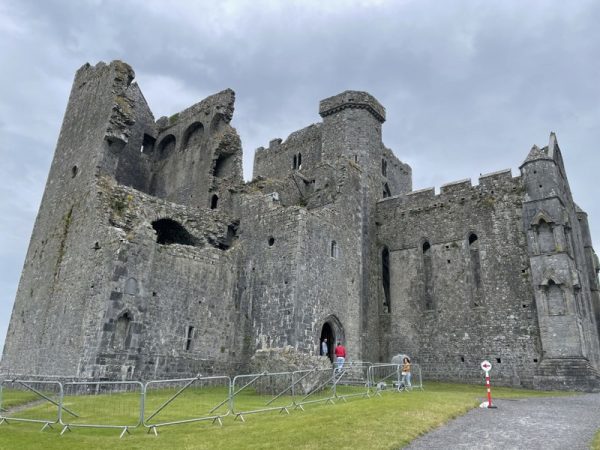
(332, 331)
(327, 336)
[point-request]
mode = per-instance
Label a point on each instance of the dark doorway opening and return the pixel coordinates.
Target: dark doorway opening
(327, 333)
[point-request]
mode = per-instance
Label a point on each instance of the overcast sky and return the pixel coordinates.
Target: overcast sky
(469, 86)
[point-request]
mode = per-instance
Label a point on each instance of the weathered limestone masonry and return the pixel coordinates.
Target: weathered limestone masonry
(151, 257)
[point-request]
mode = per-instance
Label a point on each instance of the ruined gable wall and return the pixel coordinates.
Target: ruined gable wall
(451, 339)
(198, 154)
(46, 329)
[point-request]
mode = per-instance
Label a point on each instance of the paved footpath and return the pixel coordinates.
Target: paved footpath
(535, 423)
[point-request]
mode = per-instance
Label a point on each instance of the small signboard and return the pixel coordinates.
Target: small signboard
(486, 365)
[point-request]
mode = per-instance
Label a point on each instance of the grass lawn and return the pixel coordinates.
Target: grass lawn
(389, 421)
(596, 443)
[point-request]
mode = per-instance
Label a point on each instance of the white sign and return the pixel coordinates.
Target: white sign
(486, 365)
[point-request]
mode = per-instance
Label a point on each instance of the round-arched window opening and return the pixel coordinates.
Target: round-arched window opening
(472, 238)
(74, 171)
(426, 247)
(271, 241)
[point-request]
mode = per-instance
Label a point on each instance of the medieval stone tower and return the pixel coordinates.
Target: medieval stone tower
(151, 257)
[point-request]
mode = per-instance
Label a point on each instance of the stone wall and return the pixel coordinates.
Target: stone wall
(465, 320)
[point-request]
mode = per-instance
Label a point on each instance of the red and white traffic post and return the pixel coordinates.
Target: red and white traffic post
(487, 366)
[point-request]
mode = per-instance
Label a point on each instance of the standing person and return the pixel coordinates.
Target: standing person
(324, 348)
(340, 355)
(406, 372)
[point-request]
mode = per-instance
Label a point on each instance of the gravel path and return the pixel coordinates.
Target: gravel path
(538, 423)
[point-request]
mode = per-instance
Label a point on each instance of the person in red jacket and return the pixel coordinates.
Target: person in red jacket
(340, 356)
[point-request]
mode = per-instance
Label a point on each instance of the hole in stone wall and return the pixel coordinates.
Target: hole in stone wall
(74, 171)
(535, 360)
(384, 167)
(147, 144)
(386, 191)
(97, 246)
(498, 360)
(214, 201)
(299, 160)
(462, 359)
(271, 241)
(169, 232)
(426, 247)
(448, 261)
(223, 165)
(294, 162)
(153, 294)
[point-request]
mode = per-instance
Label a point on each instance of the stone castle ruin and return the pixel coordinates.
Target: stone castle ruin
(151, 257)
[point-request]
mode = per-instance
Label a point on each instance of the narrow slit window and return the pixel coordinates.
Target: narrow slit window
(385, 278)
(189, 338)
(428, 300)
(334, 249)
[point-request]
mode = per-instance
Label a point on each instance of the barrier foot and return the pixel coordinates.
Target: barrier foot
(329, 400)
(3, 420)
(300, 407)
(153, 429)
(344, 399)
(218, 419)
(125, 430)
(65, 429)
(240, 417)
(284, 409)
(46, 425)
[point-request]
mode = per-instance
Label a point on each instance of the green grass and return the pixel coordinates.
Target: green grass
(12, 398)
(389, 421)
(596, 442)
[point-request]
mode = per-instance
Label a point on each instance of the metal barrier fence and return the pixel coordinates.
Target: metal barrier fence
(262, 392)
(385, 376)
(126, 405)
(44, 397)
(122, 408)
(313, 386)
(352, 380)
(162, 401)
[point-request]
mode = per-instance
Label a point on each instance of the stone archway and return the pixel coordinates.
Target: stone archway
(333, 331)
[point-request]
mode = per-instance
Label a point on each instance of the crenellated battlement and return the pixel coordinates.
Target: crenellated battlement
(492, 184)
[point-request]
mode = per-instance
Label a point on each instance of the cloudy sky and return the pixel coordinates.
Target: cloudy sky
(469, 86)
